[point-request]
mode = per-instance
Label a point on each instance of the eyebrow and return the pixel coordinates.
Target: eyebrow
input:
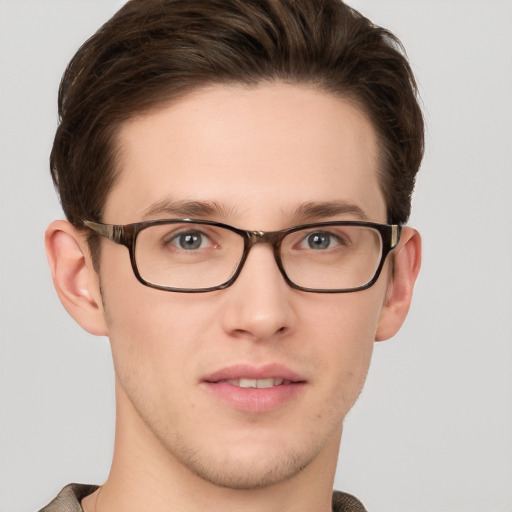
(306, 212)
(317, 210)
(185, 209)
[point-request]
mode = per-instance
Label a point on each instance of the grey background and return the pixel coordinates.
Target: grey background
(433, 428)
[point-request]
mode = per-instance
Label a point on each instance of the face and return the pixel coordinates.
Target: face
(252, 158)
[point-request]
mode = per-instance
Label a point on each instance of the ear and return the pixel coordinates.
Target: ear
(399, 294)
(74, 278)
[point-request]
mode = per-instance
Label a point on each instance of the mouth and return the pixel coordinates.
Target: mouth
(245, 382)
(255, 389)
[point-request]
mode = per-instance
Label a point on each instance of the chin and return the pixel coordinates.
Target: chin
(236, 473)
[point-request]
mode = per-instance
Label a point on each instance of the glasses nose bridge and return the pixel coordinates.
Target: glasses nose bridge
(272, 238)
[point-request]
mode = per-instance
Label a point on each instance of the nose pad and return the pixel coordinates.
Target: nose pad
(258, 303)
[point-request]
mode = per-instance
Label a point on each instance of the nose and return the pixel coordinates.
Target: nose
(259, 304)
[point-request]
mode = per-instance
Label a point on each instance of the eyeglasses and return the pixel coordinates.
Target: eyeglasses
(184, 255)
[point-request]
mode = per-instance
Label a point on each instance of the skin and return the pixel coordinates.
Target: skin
(259, 154)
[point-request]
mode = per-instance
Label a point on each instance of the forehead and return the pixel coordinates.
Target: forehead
(258, 153)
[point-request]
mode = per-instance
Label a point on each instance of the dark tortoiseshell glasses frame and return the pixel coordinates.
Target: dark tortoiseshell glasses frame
(127, 235)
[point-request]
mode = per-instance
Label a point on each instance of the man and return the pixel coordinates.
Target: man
(236, 178)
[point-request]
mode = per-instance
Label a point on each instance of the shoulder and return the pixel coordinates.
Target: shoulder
(68, 500)
(343, 502)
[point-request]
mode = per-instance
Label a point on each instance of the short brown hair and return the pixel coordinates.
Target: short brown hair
(155, 50)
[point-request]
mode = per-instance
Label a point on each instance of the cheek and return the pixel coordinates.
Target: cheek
(345, 327)
(347, 322)
(153, 344)
(148, 329)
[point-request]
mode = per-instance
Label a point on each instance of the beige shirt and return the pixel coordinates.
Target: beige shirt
(70, 497)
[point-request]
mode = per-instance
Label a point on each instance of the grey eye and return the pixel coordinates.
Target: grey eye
(319, 240)
(189, 241)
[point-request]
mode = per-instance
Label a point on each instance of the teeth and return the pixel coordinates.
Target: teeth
(256, 383)
(248, 383)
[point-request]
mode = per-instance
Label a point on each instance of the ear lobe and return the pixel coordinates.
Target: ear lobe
(74, 278)
(399, 293)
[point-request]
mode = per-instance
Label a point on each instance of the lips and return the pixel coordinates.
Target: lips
(255, 389)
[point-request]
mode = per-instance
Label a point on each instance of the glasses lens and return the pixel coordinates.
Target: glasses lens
(187, 255)
(333, 257)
